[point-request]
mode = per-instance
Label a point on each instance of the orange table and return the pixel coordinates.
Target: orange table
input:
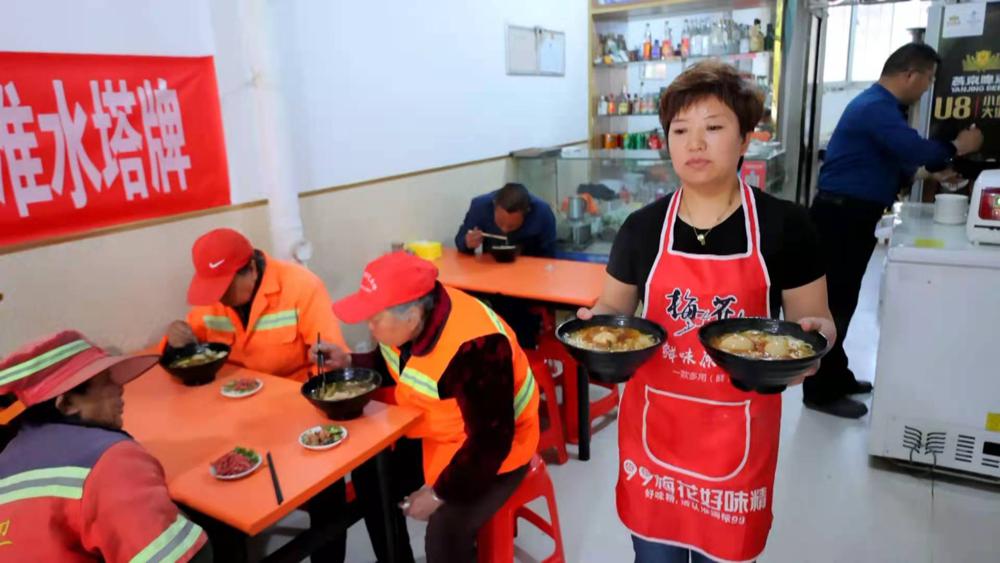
(565, 282)
(186, 428)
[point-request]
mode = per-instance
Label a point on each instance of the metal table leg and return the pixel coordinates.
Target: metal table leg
(583, 411)
(382, 469)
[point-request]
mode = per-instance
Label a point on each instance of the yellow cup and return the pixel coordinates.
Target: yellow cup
(426, 249)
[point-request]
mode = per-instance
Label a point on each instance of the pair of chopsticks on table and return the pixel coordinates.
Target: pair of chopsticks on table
(274, 479)
(270, 461)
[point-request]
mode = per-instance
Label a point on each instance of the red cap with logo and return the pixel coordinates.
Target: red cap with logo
(391, 280)
(54, 365)
(217, 256)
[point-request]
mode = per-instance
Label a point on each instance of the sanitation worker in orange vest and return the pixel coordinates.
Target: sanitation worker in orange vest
(454, 359)
(269, 311)
(73, 486)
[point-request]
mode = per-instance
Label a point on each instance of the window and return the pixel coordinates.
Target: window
(860, 38)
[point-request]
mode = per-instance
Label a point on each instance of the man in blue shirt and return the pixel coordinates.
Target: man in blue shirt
(872, 153)
(526, 220)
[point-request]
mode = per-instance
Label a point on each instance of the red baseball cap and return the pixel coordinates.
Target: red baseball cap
(217, 256)
(56, 364)
(391, 280)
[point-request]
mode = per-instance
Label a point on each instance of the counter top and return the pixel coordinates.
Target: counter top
(917, 238)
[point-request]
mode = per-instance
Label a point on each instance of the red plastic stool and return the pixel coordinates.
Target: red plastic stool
(550, 348)
(496, 537)
(553, 436)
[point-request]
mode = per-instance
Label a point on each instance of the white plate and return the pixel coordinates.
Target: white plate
(242, 394)
(317, 428)
(260, 460)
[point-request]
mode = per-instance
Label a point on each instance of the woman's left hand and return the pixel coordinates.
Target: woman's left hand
(421, 504)
(826, 328)
(823, 325)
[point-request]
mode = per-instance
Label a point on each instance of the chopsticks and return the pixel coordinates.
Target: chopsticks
(274, 479)
(491, 235)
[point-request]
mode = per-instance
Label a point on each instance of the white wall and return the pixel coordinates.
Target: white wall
(122, 288)
(381, 88)
(371, 89)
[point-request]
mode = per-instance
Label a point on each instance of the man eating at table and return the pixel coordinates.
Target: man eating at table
(513, 213)
(454, 359)
(268, 311)
(524, 220)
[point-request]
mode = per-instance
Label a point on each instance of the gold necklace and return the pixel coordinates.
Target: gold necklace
(701, 236)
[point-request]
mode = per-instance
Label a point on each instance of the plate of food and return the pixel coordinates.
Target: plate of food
(235, 464)
(322, 437)
(241, 387)
(611, 347)
(762, 354)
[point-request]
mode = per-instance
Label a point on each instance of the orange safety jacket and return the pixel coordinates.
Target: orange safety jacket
(290, 308)
(442, 428)
(73, 493)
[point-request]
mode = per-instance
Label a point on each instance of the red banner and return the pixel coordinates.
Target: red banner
(88, 141)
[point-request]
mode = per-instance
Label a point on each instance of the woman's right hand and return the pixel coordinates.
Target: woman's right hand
(180, 334)
(584, 314)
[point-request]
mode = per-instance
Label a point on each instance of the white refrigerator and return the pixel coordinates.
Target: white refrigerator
(937, 389)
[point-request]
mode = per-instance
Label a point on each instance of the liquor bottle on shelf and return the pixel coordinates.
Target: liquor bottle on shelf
(769, 38)
(696, 39)
(612, 105)
(744, 39)
(756, 37)
(656, 54)
(602, 106)
(706, 36)
(686, 40)
(667, 47)
(647, 44)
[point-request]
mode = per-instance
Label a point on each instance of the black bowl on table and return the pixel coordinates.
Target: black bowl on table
(200, 374)
(756, 374)
(611, 367)
(504, 252)
(344, 409)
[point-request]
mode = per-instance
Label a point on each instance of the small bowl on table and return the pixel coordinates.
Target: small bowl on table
(349, 407)
(504, 253)
(198, 372)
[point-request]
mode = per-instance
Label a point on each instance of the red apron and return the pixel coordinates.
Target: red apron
(698, 455)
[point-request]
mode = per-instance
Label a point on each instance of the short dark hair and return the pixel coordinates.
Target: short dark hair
(513, 198)
(713, 78)
(918, 57)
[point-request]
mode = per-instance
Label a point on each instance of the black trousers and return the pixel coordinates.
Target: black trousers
(847, 229)
(452, 529)
(324, 508)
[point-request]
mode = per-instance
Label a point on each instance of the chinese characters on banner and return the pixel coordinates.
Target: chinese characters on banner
(967, 85)
(88, 141)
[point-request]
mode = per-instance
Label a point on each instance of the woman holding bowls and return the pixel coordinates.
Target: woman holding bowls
(698, 455)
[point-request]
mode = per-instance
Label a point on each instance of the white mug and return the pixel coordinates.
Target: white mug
(950, 209)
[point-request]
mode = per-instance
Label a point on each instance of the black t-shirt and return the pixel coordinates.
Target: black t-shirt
(789, 242)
